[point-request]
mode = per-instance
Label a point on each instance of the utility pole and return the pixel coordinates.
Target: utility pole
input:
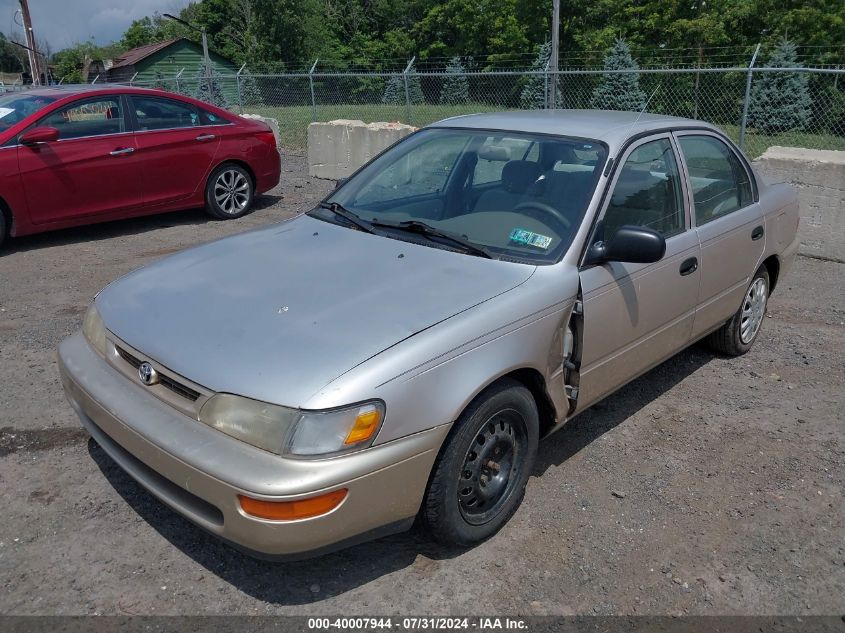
(553, 67)
(29, 34)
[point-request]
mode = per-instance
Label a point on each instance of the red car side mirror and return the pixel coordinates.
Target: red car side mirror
(40, 135)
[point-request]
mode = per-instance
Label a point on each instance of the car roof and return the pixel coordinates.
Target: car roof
(611, 126)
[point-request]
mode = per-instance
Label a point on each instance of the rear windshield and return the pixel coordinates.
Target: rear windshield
(14, 108)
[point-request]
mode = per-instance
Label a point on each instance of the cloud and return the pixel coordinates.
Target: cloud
(65, 22)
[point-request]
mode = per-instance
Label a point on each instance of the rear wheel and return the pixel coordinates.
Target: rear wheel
(3, 228)
(479, 478)
(738, 335)
(229, 192)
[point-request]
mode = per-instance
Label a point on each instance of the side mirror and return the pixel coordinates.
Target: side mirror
(39, 135)
(631, 244)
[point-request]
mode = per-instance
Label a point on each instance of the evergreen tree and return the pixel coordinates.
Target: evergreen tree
(209, 89)
(455, 85)
(394, 92)
(533, 96)
(250, 93)
(781, 101)
(619, 91)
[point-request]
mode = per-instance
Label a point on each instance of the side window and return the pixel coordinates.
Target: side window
(720, 183)
(647, 192)
(209, 118)
(154, 113)
(93, 117)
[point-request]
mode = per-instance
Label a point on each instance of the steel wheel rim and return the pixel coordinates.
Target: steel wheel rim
(753, 310)
(231, 191)
(492, 466)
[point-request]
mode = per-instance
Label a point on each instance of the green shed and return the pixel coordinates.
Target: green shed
(159, 65)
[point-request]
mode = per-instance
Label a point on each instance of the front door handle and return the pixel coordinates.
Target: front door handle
(757, 233)
(689, 266)
(206, 137)
(122, 151)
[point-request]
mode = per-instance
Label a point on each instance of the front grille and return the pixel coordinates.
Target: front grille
(165, 381)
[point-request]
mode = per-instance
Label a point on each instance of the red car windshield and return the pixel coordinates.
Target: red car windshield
(14, 108)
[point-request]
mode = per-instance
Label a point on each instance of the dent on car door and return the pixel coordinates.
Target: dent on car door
(90, 170)
(729, 224)
(175, 149)
(636, 315)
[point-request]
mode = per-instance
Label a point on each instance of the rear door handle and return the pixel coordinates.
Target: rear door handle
(122, 151)
(689, 266)
(757, 233)
(206, 137)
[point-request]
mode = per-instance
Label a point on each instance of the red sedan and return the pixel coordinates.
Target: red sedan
(82, 154)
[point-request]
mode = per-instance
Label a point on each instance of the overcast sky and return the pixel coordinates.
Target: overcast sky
(64, 22)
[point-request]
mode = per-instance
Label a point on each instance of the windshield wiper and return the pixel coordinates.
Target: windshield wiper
(421, 228)
(339, 210)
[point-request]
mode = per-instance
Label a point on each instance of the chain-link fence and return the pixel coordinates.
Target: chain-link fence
(758, 108)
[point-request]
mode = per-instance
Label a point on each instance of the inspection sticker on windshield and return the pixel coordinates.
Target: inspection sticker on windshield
(529, 238)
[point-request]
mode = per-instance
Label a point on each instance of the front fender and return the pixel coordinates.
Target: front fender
(430, 378)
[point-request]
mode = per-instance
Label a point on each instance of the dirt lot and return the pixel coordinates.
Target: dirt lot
(709, 486)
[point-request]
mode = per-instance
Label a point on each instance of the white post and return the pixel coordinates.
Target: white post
(555, 50)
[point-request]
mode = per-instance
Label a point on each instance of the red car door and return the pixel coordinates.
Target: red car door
(175, 151)
(91, 170)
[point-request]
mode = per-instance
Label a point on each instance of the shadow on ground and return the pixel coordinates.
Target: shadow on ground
(120, 228)
(333, 574)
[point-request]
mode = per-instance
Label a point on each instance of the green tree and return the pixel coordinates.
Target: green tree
(455, 85)
(533, 96)
(619, 91)
(781, 100)
(394, 91)
(209, 88)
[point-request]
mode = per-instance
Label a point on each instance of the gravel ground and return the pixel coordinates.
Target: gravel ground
(708, 486)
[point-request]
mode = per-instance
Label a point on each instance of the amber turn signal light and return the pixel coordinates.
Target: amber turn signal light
(292, 510)
(365, 425)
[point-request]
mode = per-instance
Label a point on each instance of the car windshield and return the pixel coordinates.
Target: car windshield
(514, 195)
(14, 108)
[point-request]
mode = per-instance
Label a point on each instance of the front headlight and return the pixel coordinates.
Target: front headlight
(94, 330)
(283, 430)
(320, 432)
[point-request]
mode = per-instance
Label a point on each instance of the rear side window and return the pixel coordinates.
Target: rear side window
(155, 113)
(209, 118)
(720, 183)
(93, 117)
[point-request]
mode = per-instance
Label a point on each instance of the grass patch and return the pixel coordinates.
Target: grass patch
(294, 120)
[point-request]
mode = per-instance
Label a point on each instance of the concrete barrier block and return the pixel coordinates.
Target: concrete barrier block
(819, 176)
(336, 149)
(273, 123)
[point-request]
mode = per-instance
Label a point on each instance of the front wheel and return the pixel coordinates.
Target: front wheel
(229, 192)
(479, 478)
(737, 336)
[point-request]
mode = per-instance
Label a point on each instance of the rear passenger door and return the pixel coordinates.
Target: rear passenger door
(175, 149)
(637, 315)
(91, 170)
(728, 222)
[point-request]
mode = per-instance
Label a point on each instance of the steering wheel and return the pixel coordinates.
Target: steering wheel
(546, 208)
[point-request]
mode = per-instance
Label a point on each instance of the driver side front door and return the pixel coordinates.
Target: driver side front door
(637, 315)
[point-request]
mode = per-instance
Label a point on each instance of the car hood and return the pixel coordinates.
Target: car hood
(277, 313)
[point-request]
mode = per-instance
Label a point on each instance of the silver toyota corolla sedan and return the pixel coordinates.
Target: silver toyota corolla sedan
(398, 351)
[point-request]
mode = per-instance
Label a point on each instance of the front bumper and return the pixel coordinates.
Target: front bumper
(199, 471)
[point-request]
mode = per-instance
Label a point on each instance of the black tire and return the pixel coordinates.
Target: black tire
(733, 338)
(503, 416)
(3, 228)
(229, 192)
